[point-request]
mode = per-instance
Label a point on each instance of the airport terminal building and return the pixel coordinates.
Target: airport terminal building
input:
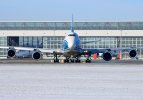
(51, 34)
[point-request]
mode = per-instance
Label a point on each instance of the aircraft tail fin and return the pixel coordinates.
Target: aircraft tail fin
(72, 24)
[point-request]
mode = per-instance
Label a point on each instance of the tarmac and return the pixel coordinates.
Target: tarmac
(31, 61)
(99, 80)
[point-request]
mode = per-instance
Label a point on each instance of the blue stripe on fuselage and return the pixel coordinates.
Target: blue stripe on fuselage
(65, 44)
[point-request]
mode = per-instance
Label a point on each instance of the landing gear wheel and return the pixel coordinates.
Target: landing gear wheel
(88, 61)
(77, 61)
(66, 61)
(72, 60)
(56, 61)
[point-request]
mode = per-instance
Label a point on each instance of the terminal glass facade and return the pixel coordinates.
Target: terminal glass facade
(53, 42)
(31, 41)
(3, 52)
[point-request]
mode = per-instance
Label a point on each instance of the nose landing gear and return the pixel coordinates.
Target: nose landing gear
(56, 60)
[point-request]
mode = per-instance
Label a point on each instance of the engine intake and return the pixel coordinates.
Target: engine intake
(11, 53)
(36, 55)
(107, 56)
(133, 53)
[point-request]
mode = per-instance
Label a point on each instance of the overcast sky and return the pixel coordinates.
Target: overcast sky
(61, 10)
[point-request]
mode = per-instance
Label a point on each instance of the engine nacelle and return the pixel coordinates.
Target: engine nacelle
(11, 53)
(37, 55)
(133, 53)
(107, 56)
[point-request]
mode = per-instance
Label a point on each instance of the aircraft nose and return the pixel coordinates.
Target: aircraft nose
(71, 42)
(71, 45)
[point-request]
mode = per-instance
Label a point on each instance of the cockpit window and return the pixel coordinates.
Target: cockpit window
(71, 35)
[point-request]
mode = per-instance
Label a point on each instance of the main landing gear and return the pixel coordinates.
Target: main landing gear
(66, 60)
(88, 60)
(77, 60)
(72, 60)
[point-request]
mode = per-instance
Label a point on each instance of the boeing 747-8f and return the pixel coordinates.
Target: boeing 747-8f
(72, 50)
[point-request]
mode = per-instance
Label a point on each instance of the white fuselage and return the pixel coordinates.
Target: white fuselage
(72, 44)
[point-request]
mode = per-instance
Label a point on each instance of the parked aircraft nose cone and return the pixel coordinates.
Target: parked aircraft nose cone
(71, 45)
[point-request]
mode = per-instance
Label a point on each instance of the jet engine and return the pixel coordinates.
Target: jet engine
(11, 53)
(107, 56)
(133, 53)
(37, 55)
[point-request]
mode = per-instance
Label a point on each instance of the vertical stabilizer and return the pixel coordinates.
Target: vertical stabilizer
(72, 24)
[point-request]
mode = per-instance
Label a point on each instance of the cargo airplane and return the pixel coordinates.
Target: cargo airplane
(72, 50)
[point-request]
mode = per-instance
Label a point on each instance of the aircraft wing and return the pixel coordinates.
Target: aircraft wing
(52, 51)
(2, 47)
(103, 50)
(48, 51)
(17, 48)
